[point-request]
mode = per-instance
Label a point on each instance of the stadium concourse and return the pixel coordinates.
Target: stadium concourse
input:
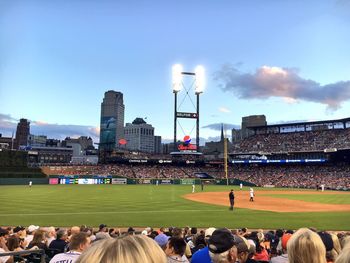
(85, 244)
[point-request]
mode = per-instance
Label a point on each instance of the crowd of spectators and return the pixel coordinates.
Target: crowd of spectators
(295, 141)
(88, 245)
(286, 175)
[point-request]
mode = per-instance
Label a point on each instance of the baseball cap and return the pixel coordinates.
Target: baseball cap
(285, 238)
(327, 240)
(221, 240)
(102, 226)
(208, 232)
(18, 228)
(242, 244)
(3, 232)
(161, 239)
(32, 228)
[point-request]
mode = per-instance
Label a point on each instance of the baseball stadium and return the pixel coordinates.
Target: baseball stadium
(299, 172)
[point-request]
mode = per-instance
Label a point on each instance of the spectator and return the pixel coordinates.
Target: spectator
(175, 250)
(305, 246)
(221, 246)
(60, 243)
(78, 243)
(50, 235)
(102, 232)
(284, 257)
(39, 240)
(3, 248)
(327, 240)
(30, 233)
(344, 256)
(202, 255)
(128, 249)
(162, 240)
(242, 246)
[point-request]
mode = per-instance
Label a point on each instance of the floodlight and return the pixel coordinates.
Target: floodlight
(200, 79)
(177, 78)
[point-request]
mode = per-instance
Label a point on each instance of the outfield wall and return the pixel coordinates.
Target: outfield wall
(55, 180)
(23, 181)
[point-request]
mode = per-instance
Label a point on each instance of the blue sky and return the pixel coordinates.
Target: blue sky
(286, 59)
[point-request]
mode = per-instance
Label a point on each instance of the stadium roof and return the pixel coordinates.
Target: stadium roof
(300, 123)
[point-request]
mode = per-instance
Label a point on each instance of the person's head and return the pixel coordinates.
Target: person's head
(51, 232)
(243, 248)
(74, 230)
(344, 255)
(32, 229)
(13, 242)
(177, 232)
(207, 234)
(102, 228)
(79, 242)
(331, 253)
(20, 231)
(306, 246)
(194, 230)
(336, 243)
(127, 249)
(39, 236)
(221, 246)
(284, 241)
(61, 234)
(175, 246)
(162, 240)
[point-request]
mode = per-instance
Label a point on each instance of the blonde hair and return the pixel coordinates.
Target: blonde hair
(306, 246)
(344, 256)
(128, 249)
(227, 256)
(336, 243)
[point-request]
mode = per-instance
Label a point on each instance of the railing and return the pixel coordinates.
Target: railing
(31, 256)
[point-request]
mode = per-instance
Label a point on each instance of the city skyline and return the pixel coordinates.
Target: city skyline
(284, 59)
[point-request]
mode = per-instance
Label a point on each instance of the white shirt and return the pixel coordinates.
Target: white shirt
(4, 258)
(68, 257)
(251, 192)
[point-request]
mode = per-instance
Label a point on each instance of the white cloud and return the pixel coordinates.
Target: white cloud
(268, 82)
(224, 110)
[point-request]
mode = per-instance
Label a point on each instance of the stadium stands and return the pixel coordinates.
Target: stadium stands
(168, 244)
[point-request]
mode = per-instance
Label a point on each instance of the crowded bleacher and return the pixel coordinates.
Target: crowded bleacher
(171, 244)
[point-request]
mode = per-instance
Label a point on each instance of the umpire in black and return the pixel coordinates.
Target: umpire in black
(231, 196)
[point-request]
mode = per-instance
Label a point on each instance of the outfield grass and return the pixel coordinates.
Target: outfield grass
(317, 198)
(146, 205)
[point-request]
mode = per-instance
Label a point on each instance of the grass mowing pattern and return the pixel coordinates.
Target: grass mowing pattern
(142, 205)
(317, 198)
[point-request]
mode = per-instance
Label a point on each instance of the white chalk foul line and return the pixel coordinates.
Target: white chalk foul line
(110, 212)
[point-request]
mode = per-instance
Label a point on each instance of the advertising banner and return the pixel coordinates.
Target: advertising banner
(53, 181)
(119, 180)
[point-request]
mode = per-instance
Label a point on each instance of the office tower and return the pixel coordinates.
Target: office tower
(139, 136)
(22, 133)
(112, 121)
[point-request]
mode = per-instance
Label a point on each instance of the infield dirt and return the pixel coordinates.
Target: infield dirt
(264, 202)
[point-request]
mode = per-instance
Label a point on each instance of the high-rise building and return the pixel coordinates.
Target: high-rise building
(112, 121)
(22, 133)
(158, 144)
(139, 136)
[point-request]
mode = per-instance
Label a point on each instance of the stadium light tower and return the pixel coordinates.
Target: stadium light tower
(177, 87)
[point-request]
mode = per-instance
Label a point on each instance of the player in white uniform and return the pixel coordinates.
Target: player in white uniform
(193, 188)
(251, 194)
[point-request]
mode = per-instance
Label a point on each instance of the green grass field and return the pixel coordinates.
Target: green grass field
(149, 205)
